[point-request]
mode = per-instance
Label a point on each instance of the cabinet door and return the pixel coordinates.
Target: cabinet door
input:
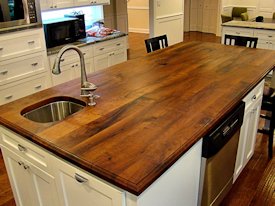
(263, 44)
(82, 2)
(46, 4)
(253, 119)
(76, 188)
(67, 74)
(118, 56)
(63, 3)
(31, 186)
(101, 61)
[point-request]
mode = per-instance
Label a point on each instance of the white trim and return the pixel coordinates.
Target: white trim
(168, 16)
(138, 8)
(139, 30)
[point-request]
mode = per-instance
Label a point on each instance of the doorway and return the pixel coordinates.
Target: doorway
(202, 16)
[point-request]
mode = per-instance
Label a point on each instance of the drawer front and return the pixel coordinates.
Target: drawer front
(108, 46)
(27, 86)
(71, 56)
(254, 95)
(25, 149)
(21, 43)
(238, 31)
(264, 34)
(22, 67)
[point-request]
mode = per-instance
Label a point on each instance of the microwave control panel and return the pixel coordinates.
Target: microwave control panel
(32, 11)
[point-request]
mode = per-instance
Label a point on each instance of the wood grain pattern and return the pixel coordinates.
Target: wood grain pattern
(151, 111)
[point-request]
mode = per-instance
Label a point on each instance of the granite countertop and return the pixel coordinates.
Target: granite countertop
(151, 110)
(87, 41)
(250, 24)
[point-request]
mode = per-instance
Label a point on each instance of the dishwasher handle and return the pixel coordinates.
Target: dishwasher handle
(215, 140)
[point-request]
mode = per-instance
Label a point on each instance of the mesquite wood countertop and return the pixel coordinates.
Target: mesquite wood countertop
(151, 110)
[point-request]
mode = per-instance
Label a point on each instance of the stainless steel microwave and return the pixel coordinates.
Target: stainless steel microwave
(15, 13)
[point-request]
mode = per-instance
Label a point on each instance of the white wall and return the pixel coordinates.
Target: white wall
(138, 16)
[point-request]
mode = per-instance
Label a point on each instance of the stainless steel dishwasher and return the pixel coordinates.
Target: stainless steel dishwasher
(218, 158)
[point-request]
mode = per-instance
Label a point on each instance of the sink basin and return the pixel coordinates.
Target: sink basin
(53, 109)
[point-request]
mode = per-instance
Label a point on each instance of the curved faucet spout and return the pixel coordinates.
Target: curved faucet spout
(86, 86)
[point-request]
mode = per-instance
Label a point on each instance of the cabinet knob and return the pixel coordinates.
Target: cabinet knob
(102, 48)
(38, 86)
(254, 98)
(4, 72)
(31, 42)
(34, 64)
(8, 97)
(21, 148)
(80, 179)
(21, 163)
(26, 167)
(270, 36)
(1, 48)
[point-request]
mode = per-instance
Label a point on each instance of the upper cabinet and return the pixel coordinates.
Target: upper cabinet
(58, 4)
(55, 4)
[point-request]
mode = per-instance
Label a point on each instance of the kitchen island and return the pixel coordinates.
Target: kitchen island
(264, 31)
(152, 110)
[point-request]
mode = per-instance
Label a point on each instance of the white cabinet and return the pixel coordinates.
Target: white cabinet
(236, 31)
(90, 2)
(29, 171)
(77, 187)
(106, 60)
(40, 178)
(21, 43)
(249, 128)
(23, 64)
(58, 4)
(55, 4)
(31, 185)
(178, 186)
(109, 53)
(266, 39)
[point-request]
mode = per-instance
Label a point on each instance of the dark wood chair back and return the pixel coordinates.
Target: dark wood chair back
(241, 41)
(156, 43)
(268, 114)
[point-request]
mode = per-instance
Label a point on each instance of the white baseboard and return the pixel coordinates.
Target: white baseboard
(139, 30)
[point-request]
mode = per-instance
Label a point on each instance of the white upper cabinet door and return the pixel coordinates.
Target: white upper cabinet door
(166, 18)
(63, 3)
(46, 4)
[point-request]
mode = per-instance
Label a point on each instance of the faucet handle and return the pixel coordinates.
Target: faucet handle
(92, 99)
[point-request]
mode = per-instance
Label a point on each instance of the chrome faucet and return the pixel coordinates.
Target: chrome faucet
(86, 87)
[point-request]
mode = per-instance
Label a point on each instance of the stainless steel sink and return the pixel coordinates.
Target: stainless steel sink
(53, 109)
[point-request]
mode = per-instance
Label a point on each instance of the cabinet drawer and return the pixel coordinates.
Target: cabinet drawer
(12, 91)
(264, 34)
(254, 95)
(21, 43)
(108, 46)
(22, 67)
(25, 149)
(238, 31)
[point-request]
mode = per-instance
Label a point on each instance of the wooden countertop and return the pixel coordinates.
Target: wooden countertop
(151, 110)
